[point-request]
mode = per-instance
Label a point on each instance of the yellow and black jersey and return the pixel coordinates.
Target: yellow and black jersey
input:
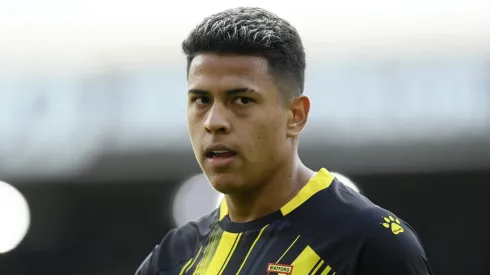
(326, 229)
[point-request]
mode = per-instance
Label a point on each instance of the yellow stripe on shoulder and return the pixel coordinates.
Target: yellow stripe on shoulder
(320, 181)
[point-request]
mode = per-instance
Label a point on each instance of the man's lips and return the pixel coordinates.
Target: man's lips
(218, 151)
(220, 154)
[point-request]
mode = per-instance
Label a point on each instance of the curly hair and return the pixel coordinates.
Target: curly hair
(255, 32)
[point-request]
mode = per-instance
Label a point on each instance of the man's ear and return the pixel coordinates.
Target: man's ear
(299, 108)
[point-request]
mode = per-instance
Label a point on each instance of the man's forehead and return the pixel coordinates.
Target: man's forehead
(222, 73)
(228, 64)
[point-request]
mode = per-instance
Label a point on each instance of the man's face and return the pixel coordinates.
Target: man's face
(237, 121)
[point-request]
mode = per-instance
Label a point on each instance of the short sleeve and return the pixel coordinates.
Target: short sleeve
(391, 247)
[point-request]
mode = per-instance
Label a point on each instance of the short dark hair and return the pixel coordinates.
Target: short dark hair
(256, 32)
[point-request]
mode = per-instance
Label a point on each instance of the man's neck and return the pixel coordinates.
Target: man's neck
(274, 194)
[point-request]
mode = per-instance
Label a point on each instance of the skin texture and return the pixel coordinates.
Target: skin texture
(234, 102)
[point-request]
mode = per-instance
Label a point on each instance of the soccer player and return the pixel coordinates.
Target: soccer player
(245, 111)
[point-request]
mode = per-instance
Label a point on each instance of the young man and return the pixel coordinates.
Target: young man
(245, 111)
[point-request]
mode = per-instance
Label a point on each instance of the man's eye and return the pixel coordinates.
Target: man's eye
(202, 100)
(243, 101)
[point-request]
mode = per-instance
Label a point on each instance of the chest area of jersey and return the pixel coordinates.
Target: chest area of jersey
(267, 251)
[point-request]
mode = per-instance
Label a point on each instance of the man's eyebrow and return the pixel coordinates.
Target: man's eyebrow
(229, 92)
(239, 91)
(197, 92)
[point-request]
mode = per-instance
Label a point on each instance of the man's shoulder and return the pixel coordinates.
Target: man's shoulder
(181, 242)
(384, 230)
(387, 238)
(360, 218)
(341, 217)
(193, 229)
(340, 211)
(178, 245)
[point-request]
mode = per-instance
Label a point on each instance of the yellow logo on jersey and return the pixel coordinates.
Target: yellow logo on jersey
(394, 224)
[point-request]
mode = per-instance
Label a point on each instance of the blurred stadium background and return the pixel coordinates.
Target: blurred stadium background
(93, 131)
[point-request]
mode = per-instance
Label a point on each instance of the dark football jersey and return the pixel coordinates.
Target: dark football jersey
(326, 229)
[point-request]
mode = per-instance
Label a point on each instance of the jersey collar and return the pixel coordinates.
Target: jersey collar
(318, 182)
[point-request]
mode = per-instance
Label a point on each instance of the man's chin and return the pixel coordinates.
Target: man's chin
(227, 184)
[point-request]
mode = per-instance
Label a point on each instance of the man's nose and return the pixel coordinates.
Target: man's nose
(217, 121)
